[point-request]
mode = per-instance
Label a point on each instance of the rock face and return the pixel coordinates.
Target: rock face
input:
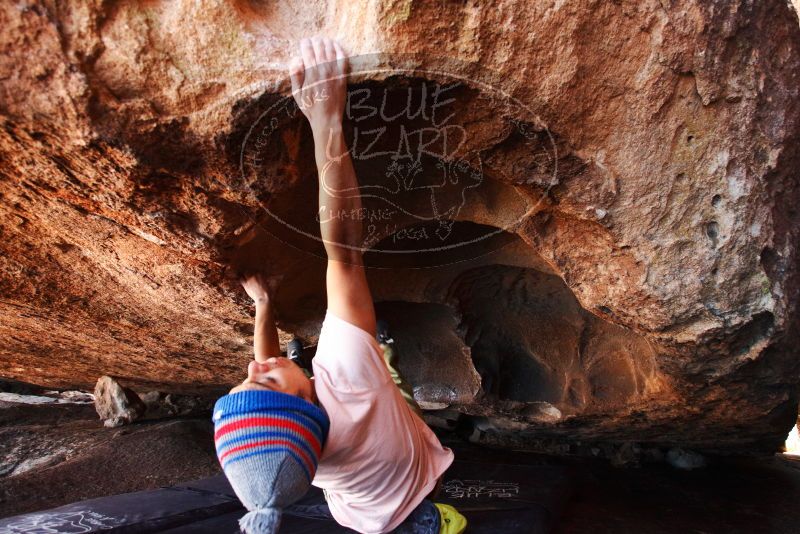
(603, 224)
(161, 404)
(56, 454)
(116, 405)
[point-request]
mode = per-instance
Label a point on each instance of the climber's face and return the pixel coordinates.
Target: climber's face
(278, 374)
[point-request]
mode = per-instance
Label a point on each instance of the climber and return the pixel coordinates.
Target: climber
(349, 429)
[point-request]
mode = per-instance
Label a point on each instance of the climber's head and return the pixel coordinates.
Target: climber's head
(268, 444)
(278, 374)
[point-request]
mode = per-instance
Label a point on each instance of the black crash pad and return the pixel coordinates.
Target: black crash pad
(141, 511)
(493, 497)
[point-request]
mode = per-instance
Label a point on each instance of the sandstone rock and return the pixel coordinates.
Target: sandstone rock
(627, 200)
(160, 404)
(152, 399)
(116, 405)
(25, 399)
(22, 388)
(74, 397)
(542, 412)
(627, 455)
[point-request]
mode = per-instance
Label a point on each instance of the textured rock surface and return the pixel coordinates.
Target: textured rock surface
(160, 404)
(649, 295)
(59, 453)
(116, 405)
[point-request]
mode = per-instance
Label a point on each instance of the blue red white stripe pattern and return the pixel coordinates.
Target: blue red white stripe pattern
(257, 423)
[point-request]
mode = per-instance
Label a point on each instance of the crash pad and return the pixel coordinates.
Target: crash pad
(494, 497)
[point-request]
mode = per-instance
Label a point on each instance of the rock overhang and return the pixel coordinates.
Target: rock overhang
(671, 218)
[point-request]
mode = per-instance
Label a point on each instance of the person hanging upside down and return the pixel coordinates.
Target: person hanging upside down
(348, 430)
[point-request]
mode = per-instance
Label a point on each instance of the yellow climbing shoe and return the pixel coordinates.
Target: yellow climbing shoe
(452, 521)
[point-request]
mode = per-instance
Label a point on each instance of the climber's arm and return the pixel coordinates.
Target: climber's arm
(348, 292)
(265, 333)
(319, 86)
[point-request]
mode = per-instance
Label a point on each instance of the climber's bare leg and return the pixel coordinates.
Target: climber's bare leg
(320, 88)
(265, 333)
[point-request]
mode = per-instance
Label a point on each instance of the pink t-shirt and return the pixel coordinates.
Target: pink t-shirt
(380, 459)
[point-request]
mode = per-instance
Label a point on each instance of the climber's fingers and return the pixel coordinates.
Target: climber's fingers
(341, 57)
(309, 58)
(319, 51)
(319, 86)
(296, 74)
(330, 52)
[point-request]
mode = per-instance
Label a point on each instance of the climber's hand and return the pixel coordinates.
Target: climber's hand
(257, 287)
(319, 83)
